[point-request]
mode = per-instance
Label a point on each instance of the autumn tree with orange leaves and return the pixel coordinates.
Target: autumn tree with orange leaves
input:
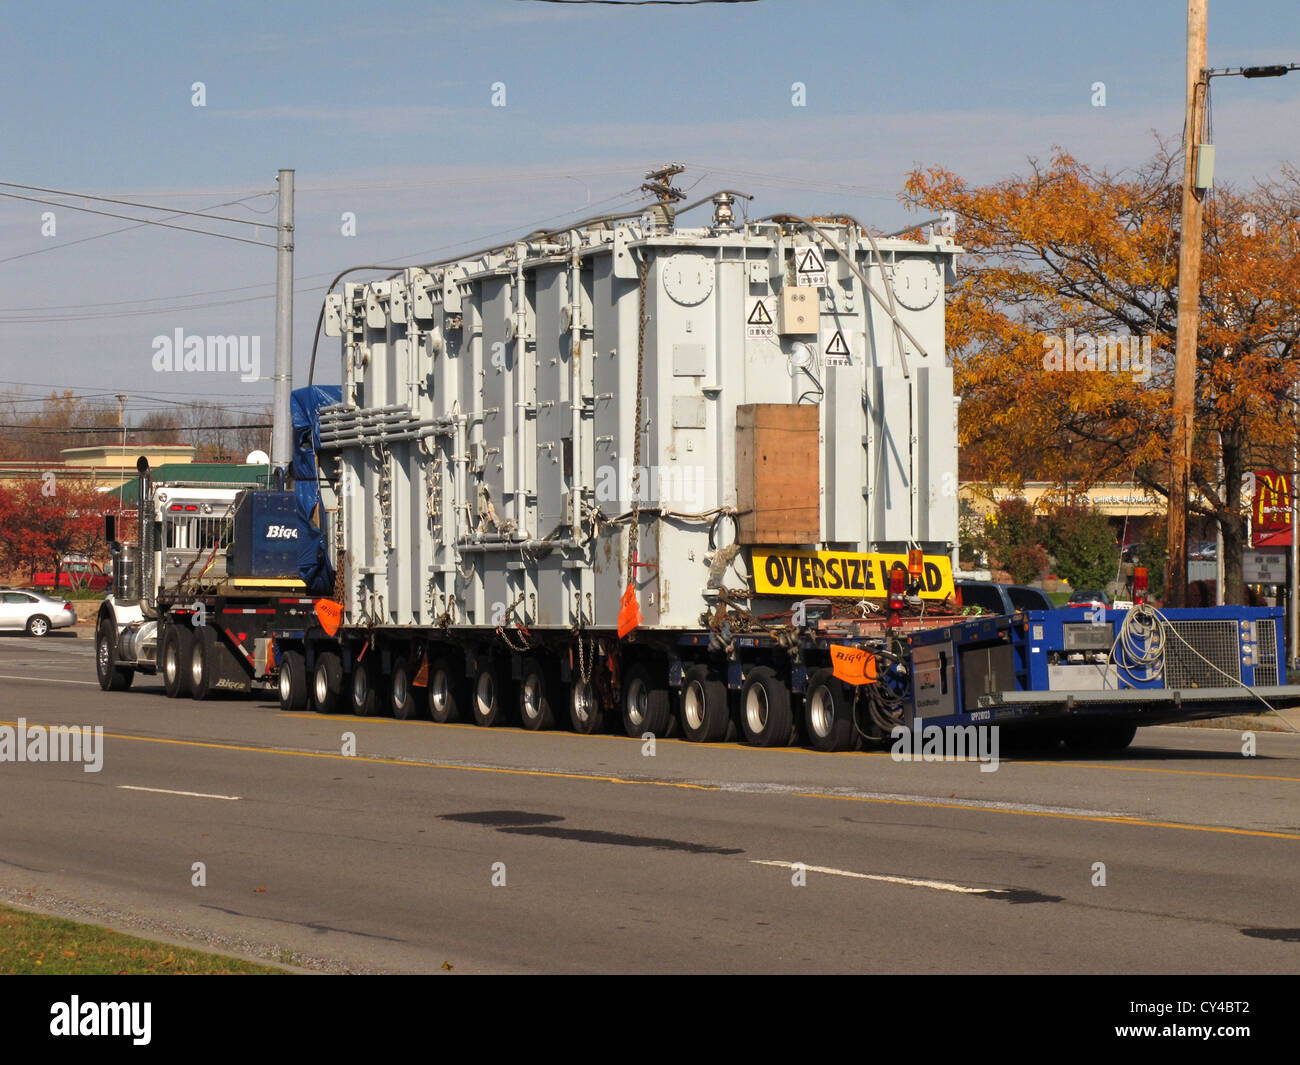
(1070, 278)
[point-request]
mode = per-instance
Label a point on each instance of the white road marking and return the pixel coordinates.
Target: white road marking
(49, 680)
(936, 885)
(168, 791)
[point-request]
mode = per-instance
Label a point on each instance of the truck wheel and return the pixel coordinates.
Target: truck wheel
(177, 648)
(704, 706)
(585, 712)
(828, 714)
(293, 681)
(203, 663)
(534, 698)
(112, 677)
(404, 703)
(327, 682)
(365, 685)
(490, 694)
(647, 703)
(1101, 738)
(446, 692)
(766, 719)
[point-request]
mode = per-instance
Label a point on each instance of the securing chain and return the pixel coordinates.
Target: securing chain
(586, 667)
(524, 634)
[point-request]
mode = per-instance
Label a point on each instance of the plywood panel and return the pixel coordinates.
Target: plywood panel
(777, 485)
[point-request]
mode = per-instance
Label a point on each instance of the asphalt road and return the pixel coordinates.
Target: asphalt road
(616, 860)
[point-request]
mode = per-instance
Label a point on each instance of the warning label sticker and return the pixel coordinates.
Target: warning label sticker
(809, 266)
(760, 321)
(835, 349)
(843, 574)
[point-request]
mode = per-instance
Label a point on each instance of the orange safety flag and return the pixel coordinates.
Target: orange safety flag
(629, 611)
(853, 665)
(329, 614)
(421, 678)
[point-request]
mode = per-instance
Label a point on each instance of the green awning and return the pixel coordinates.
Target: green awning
(196, 475)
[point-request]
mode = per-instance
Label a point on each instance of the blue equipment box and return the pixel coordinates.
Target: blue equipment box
(266, 536)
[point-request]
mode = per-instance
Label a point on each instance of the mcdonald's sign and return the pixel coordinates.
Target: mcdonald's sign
(1271, 510)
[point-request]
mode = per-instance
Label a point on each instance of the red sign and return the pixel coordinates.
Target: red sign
(1271, 509)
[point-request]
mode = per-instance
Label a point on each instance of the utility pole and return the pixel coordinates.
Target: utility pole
(121, 417)
(1189, 309)
(281, 437)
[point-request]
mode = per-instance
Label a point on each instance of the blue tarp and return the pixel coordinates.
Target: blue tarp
(314, 565)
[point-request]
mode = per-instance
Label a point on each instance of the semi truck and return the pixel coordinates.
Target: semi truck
(648, 476)
(175, 608)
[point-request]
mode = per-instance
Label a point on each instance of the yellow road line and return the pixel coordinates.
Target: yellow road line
(400, 762)
(1095, 818)
(1101, 818)
(1154, 769)
(774, 750)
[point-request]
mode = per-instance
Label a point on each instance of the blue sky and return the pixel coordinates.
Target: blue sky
(385, 111)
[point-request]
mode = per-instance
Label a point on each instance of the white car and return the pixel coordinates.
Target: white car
(34, 613)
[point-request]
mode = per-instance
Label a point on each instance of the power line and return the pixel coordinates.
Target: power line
(643, 3)
(142, 221)
(132, 428)
(20, 315)
(131, 203)
(124, 229)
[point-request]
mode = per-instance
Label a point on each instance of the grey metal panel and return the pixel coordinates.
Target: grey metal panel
(484, 356)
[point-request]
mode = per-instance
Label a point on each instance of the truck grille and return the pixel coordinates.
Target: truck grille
(1266, 671)
(1216, 641)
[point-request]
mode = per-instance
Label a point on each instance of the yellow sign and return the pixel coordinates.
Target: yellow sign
(843, 574)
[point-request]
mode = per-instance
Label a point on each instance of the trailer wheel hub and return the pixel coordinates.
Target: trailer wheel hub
(756, 708)
(821, 713)
(693, 704)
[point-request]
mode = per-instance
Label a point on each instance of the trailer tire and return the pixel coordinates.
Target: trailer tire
(174, 660)
(446, 693)
(535, 709)
(1097, 738)
(489, 699)
(403, 701)
(293, 680)
(647, 703)
(766, 719)
(203, 661)
(705, 718)
(112, 677)
(327, 682)
(585, 712)
(828, 713)
(365, 686)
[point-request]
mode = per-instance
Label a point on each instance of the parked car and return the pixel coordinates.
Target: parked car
(34, 613)
(1205, 551)
(994, 598)
(76, 572)
(1091, 598)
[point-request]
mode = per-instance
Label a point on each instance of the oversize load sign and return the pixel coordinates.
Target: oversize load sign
(841, 573)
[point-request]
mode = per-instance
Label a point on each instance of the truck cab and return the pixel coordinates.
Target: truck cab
(183, 532)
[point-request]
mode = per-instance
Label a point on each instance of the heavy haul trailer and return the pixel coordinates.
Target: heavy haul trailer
(1092, 678)
(628, 469)
(183, 605)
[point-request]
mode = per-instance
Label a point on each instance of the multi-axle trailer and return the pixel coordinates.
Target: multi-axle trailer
(675, 477)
